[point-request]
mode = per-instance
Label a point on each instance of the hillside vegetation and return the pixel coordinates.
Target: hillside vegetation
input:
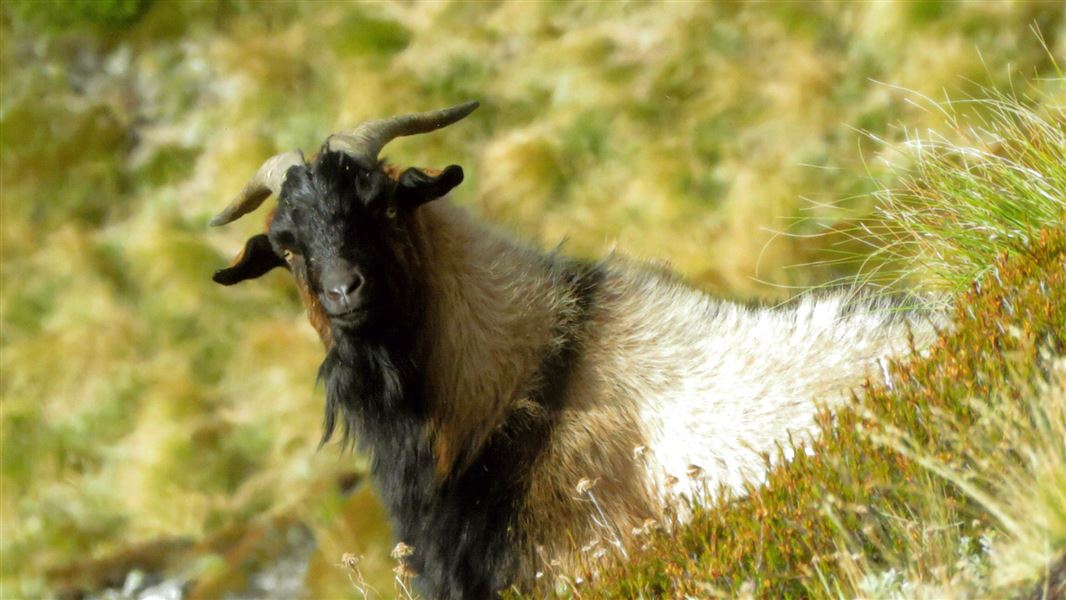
(948, 477)
(153, 421)
(947, 481)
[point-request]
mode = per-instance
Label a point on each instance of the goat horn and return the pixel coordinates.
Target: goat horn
(369, 138)
(267, 181)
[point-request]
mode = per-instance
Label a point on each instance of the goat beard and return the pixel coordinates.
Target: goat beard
(365, 388)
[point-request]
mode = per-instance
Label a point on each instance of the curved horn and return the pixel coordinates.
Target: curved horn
(369, 138)
(267, 180)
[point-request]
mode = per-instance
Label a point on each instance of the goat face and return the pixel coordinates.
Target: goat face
(344, 230)
(343, 225)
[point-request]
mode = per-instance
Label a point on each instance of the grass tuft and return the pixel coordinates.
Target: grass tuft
(986, 188)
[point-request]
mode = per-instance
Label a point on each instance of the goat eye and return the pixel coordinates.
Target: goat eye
(390, 212)
(287, 255)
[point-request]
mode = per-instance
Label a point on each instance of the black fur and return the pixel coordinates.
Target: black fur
(256, 260)
(417, 188)
(463, 530)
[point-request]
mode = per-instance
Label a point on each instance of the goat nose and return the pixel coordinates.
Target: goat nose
(341, 286)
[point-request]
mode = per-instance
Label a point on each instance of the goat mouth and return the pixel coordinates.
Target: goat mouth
(350, 319)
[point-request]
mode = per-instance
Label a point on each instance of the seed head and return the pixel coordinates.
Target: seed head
(349, 560)
(402, 551)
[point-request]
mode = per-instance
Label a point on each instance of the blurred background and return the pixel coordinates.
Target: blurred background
(160, 432)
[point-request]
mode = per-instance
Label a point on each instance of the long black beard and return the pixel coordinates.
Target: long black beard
(370, 374)
(460, 528)
(366, 390)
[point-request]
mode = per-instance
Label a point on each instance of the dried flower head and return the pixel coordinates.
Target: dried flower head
(350, 561)
(639, 452)
(590, 546)
(402, 551)
(694, 472)
(670, 481)
(646, 527)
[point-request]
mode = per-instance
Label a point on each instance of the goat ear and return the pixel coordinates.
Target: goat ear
(416, 187)
(255, 260)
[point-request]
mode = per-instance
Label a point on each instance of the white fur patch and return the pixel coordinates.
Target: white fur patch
(716, 385)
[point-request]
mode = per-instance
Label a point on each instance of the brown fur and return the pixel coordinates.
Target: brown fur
(478, 356)
(492, 319)
(315, 313)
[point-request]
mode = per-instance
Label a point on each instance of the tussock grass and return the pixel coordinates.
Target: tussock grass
(987, 187)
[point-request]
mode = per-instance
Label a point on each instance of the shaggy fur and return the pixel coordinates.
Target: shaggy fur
(693, 380)
(492, 378)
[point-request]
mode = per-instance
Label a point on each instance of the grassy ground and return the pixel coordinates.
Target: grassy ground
(150, 417)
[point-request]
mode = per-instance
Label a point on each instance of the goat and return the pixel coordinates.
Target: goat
(486, 378)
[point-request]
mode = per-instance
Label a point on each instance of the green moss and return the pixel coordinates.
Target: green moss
(60, 15)
(21, 445)
(76, 161)
(463, 77)
(921, 12)
(65, 528)
(214, 457)
(587, 139)
(703, 187)
(361, 34)
(27, 308)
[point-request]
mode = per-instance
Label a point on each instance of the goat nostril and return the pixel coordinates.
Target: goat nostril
(338, 293)
(343, 292)
(340, 286)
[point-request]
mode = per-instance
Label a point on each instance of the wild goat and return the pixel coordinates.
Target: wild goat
(487, 379)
